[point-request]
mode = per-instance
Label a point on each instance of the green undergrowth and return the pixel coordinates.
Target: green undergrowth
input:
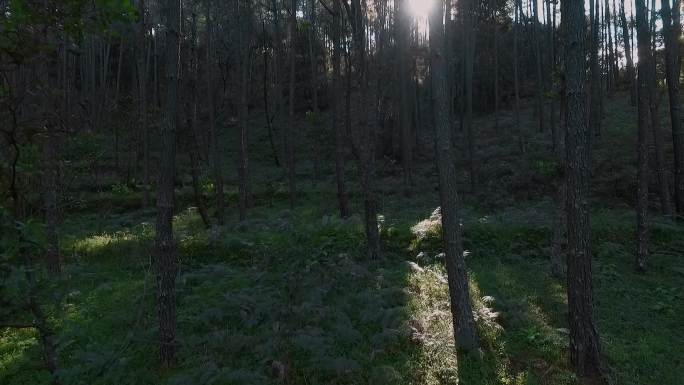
(288, 297)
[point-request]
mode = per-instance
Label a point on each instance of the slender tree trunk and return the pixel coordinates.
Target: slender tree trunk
(405, 109)
(243, 69)
(516, 82)
(672, 32)
(465, 331)
(611, 52)
(313, 60)
(658, 142)
(267, 112)
(165, 258)
(539, 65)
(469, 52)
(338, 129)
(366, 135)
(595, 74)
(552, 85)
(193, 115)
(559, 220)
(644, 81)
(585, 352)
(287, 134)
(217, 167)
(142, 102)
(628, 54)
(496, 66)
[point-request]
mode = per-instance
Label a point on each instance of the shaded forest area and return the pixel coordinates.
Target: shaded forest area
(341, 192)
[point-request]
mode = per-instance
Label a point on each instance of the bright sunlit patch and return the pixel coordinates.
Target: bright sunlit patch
(420, 8)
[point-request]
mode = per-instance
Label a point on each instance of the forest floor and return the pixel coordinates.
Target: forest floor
(288, 296)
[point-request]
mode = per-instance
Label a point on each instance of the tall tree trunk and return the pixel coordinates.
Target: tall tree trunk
(277, 75)
(469, 54)
(267, 112)
(672, 32)
(539, 64)
(516, 83)
(628, 54)
(287, 133)
(366, 136)
(496, 65)
(658, 142)
(465, 331)
(216, 163)
(165, 258)
(193, 122)
(142, 70)
(585, 352)
(644, 81)
(243, 13)
(595, 74)
(405, 109)
(559, 219)
(338, 129)
(611, 53)
(313, 61)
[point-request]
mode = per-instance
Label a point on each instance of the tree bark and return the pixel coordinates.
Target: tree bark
(465, 331)
(539, 64)
(165, 258)
(337, 128)
(193, 122)
(405, 109)
(217, 168)
(585, 352)
(658, 142)
(142, 70)
(628, 54)
(644, 81)
(365, 137)
(516, 83)
(672, 32)
(595, 74)
(469, 59)
(287, 133)
(243, 112)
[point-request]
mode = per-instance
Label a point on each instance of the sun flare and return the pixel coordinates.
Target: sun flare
(420, 8)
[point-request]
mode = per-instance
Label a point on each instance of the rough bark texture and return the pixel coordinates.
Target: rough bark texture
(243, 112)
(290, 130)
(193, 121)
(643, 106)
(672, 32)
(338, 129)
(628, 54)
(365, 134)
(165, 259)
(538, 66)
(516, 82)
(142, 68)
(584, 339)
(465, 330)
(595, 74)
(469, 52)
(404, 74)
(217, 168)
